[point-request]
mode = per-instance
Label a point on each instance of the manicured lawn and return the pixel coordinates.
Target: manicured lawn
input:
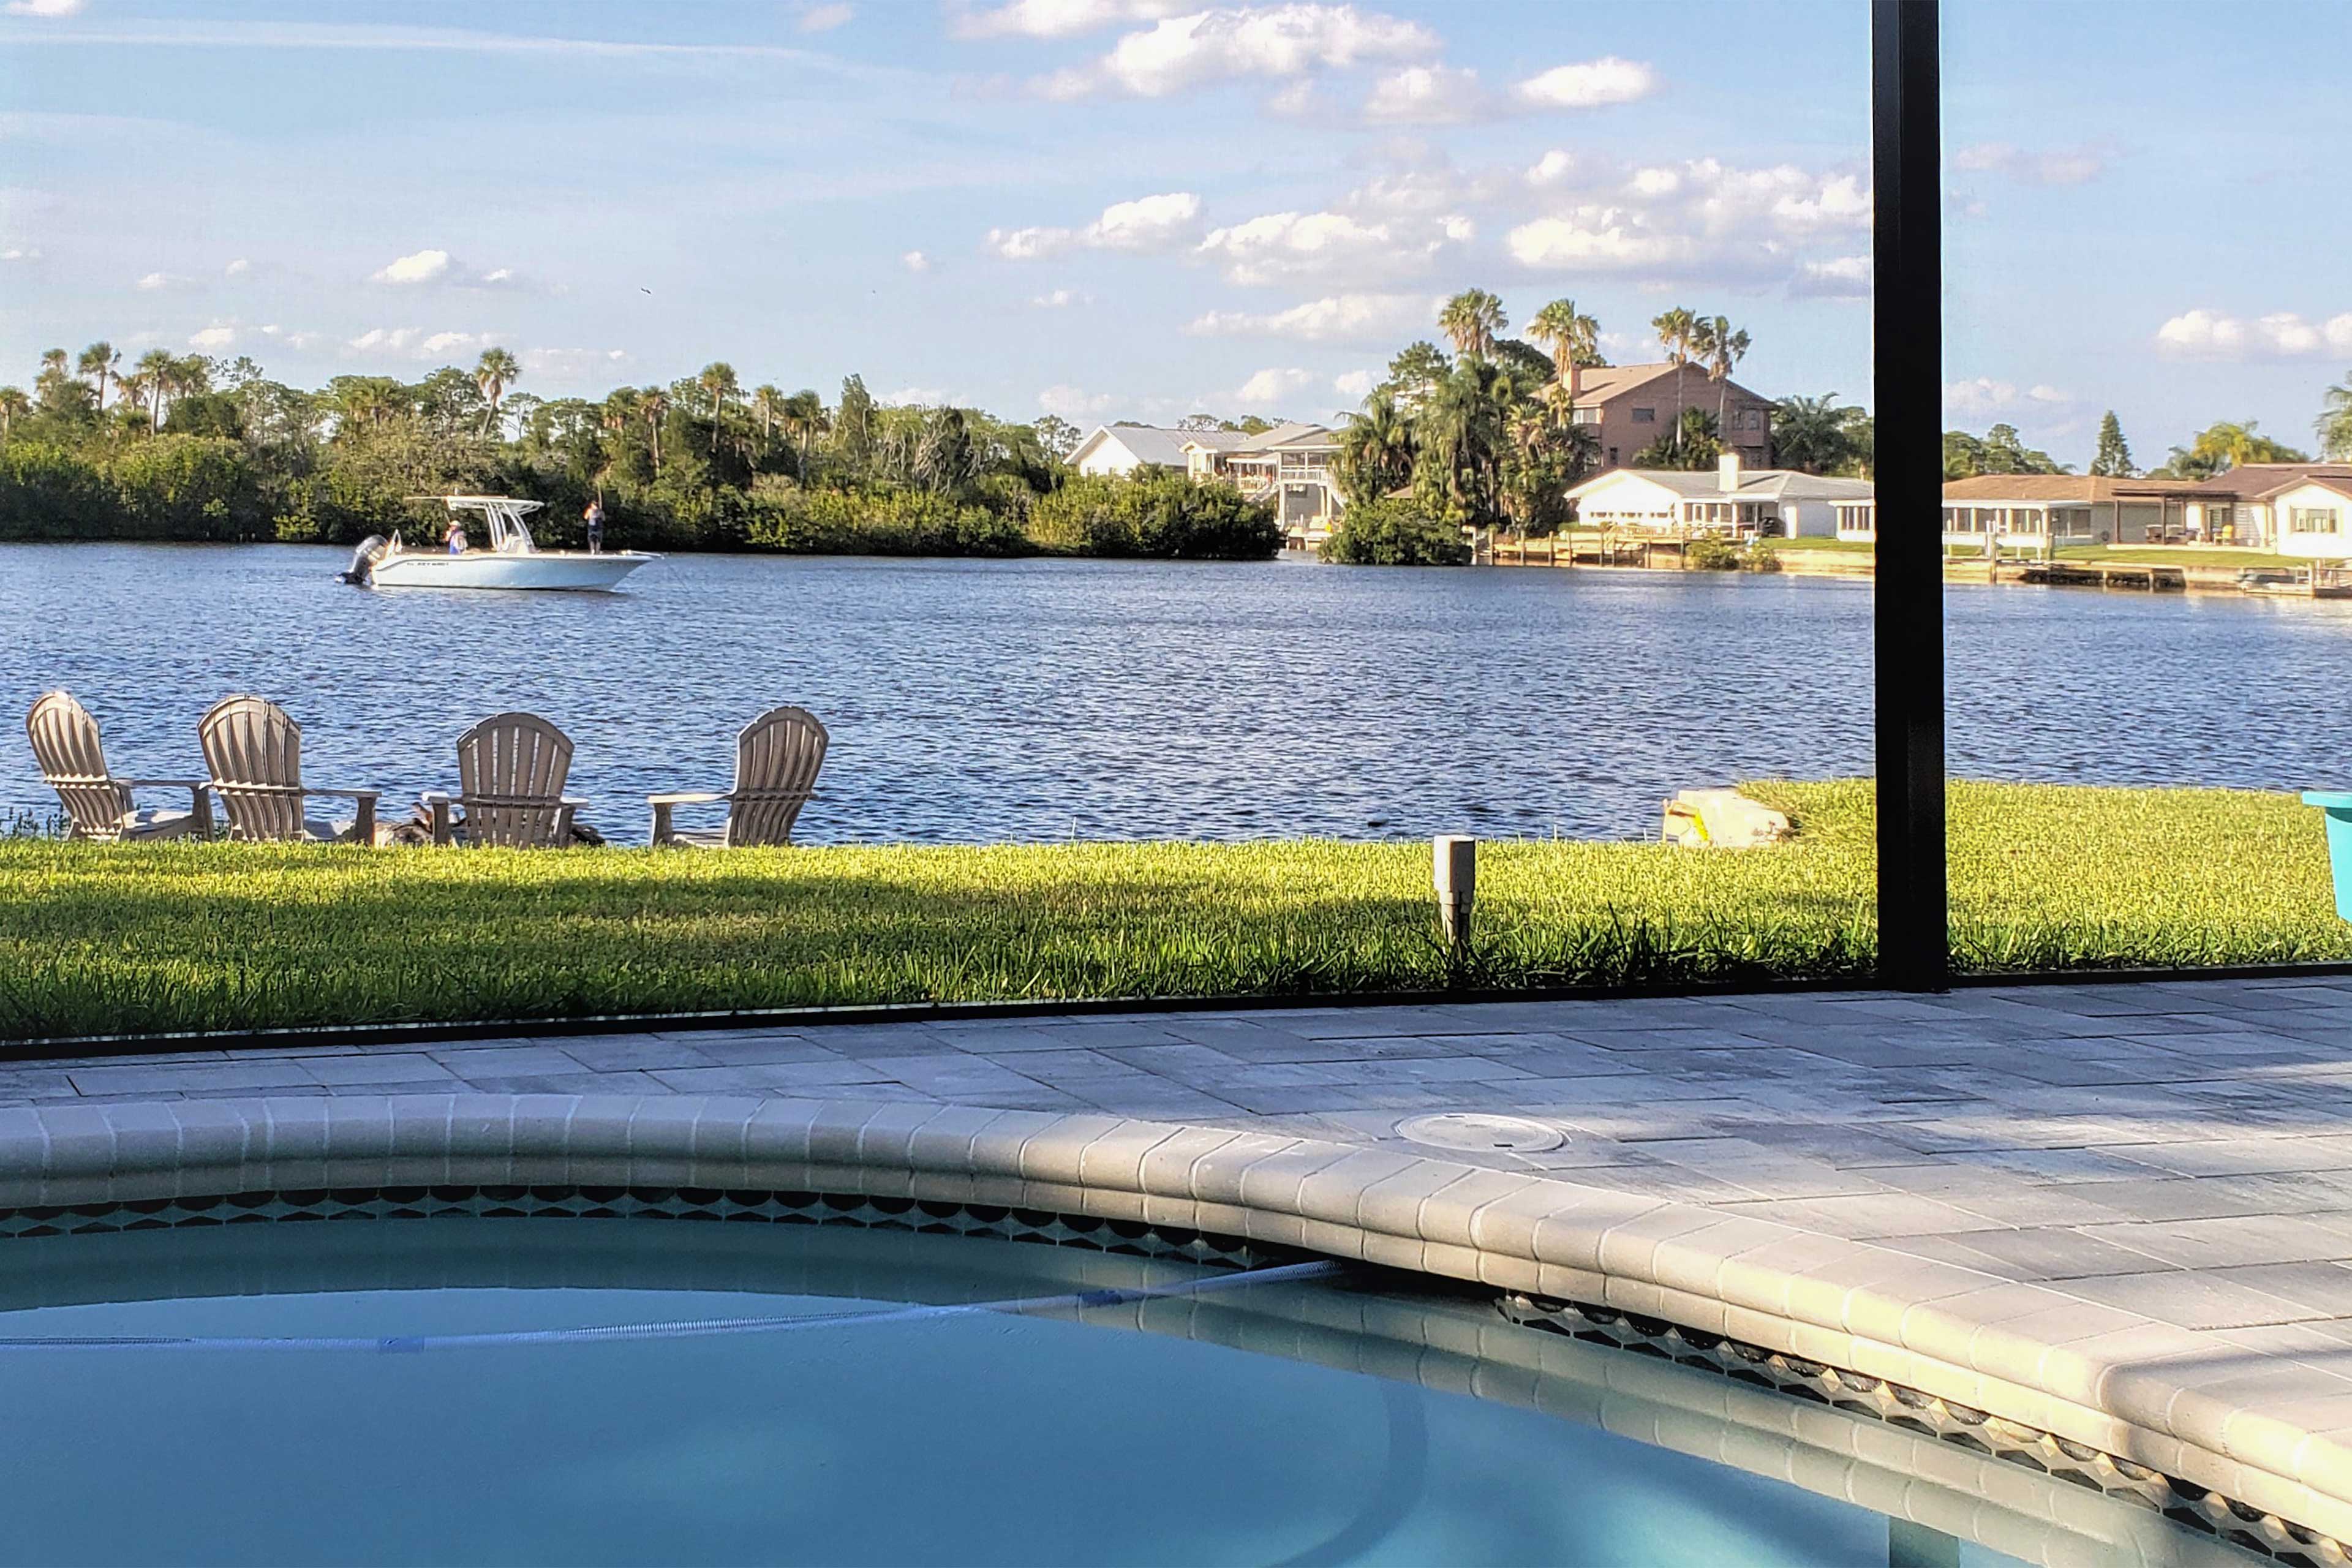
(100, 939)
(1833, 546)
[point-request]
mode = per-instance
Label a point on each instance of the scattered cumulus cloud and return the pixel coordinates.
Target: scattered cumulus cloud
(1054, 18)
(51, 8)
(1329, 246)
(18, 253)
(1982, 395)
(236, 269)
(1595, 84)
(1356, 384)
(825, 18)
(1059, 299)
(1076, 402)
(1839, 277)
(571, 364)
(1553, 168)
(1701, 218)
(916, 261)
(917, 396)
(2215, 334)
(296, 340)
(1336, 319)
(1272, 385)
(415, 342)
(438, 267)
(155, 282)
(1146, 225)
(2059, 166)
(1429, 95)
(212, 340)
(1219, 46)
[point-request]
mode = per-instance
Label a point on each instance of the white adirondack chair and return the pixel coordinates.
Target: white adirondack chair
(510, 773)
(255, 752)
(777, 756)
(97, 803)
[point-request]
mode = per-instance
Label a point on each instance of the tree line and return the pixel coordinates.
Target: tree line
(193, 447)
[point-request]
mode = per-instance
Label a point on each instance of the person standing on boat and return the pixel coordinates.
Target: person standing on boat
(456, 537)
(594, 516)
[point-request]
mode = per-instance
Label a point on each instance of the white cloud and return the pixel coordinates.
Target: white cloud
(825, 18)
(1354, 384)
(1055, 18)
(415, 342)
(1838, 278)
(154, 281)
(1982, 397)
(299, 342)
(1076, 403)
(213, 339)
(2059, 166)
(924, 396)
(236, 269)
(2213, 334)
(1272, 385)
(18, 253)
(1335, 319)
(438, 266)
(1326, 246)
(1701, 219)
(43, 7)
(1591, 85)
(1220, 46)
(422, 267)
(1146, 223)
(916, 261)
(1429, 95)
(1553, 168)
(1059, 299)
(568, 364)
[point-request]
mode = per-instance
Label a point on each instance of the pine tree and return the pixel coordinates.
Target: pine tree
(2113, 459)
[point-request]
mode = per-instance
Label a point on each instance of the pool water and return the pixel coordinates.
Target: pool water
(423, 1392)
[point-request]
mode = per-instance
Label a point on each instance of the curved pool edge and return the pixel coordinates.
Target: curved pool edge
(2266, 1431)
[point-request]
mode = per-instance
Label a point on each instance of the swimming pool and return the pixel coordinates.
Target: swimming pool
(503, 1389)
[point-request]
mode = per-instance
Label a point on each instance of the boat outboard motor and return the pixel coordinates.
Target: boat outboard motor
(364, 558)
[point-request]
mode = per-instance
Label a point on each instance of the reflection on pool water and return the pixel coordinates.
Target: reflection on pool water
(1239, 1427)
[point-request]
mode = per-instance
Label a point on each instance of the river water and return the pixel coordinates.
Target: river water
(985, 700)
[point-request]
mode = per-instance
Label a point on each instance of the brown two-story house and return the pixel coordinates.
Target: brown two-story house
(1628, 407)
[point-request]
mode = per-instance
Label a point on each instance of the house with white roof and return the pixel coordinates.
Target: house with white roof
(1290, 464)
(1732, 500)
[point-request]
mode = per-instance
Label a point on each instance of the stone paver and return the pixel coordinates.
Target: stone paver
(2183, 1149)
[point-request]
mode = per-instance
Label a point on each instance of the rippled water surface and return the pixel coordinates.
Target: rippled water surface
(1041, 699)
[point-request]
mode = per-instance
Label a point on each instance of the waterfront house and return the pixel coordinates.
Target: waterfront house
(2294, 508)
(1628, 407)
(1731, 499)
(1290, 466)
(1120, 449)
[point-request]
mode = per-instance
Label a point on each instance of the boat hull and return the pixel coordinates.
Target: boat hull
(551, 570)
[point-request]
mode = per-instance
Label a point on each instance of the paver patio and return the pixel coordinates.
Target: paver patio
(2180, 1149)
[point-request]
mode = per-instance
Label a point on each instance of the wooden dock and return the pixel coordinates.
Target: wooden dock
(2145, 578)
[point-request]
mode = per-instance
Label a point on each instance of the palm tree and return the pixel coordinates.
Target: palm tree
(1814, 434)
(1376, 450)
(804, 415)
(1474, 320)
(99, 359)
(767, 407)
(2335, 425)
(1722, 348)
(158, 372)
(1677, 331)
(1572, 338)
(718, 379)
(495, 372)
(13, 405)
(652, 404)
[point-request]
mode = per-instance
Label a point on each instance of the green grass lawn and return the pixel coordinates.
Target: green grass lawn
(97, 939)
(1821, 542)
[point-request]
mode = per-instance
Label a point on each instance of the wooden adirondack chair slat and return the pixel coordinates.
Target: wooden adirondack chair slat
(777, 756)
(97, 804)
(254, 749)
(511, 769)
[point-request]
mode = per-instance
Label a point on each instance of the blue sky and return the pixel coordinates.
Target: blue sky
(1108, 208)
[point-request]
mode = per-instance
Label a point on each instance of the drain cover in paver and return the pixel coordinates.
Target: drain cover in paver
(1467, 1129)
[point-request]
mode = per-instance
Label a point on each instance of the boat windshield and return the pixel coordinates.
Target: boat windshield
(510, 535)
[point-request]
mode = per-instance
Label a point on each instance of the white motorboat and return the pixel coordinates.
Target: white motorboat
(513, 560)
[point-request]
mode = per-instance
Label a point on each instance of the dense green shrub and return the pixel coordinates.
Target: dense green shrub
(189, 487)
(1709, 555)
(46, 492)
(888, 522)
(1158, 514)
(1393, 532)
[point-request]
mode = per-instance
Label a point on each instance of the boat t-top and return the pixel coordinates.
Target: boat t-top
(513, 560)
